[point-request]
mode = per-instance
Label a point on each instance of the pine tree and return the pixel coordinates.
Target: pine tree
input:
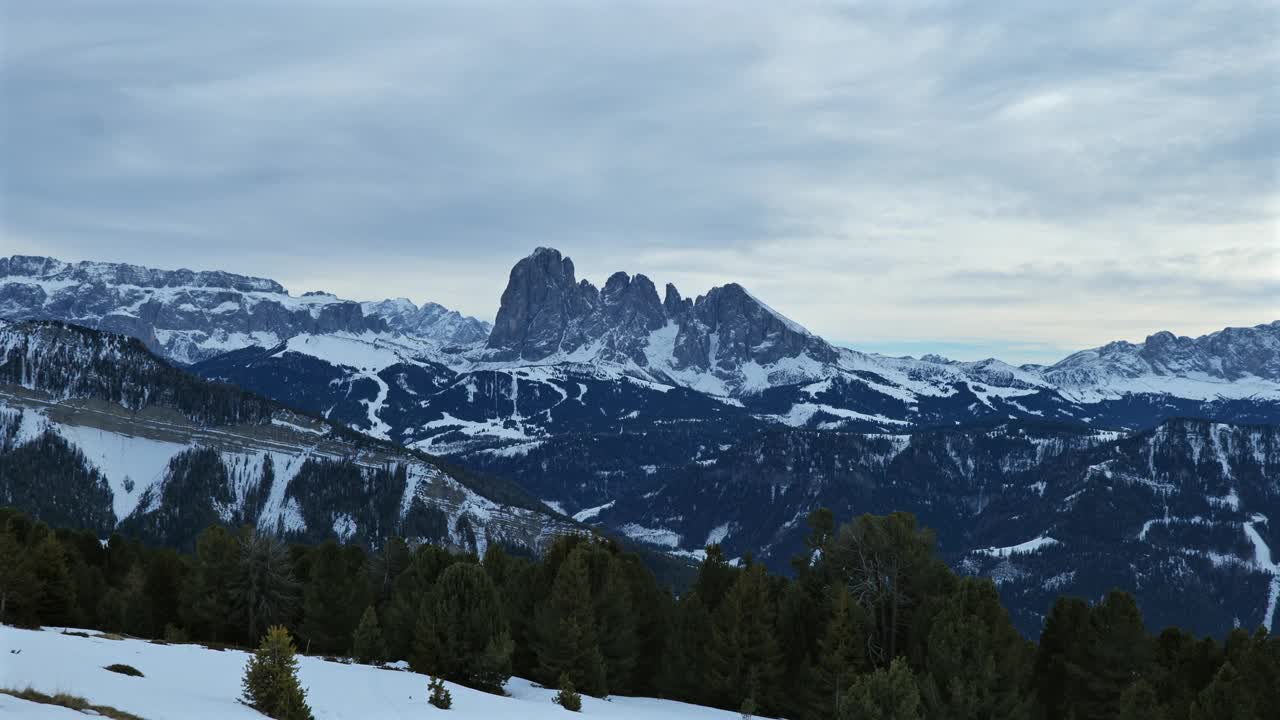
(462, 633)
(407, 593)
(263, 589)
(715, 577)
(333, 594)
(566, 633)
(19, 586)
(166, 572)
(686, 659)
(271, 678)
(744, 659)
(1228, 697)
(206, 602)
(842, 654)
(886, 694)
(1061, 658)
(438, 695)
(890, 568)
(652, 608)
(616, 621)
(56, 595)
(126, 608)
(1118, 649)
(367, 646)
(975, 660)
(1139, 702)
(395, 558)
(568, 698)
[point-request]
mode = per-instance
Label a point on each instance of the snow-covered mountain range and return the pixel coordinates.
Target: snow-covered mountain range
(679, 422)
(191, 316)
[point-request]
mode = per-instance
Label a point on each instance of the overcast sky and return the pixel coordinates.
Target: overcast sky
(1018, 179)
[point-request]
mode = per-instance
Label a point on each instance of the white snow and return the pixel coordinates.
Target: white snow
(189, 681)
(1262, 558)
(130, 464)
(1029, 546)
(344, 526)
(652, 536)
(365, 352)
(13, 707)
(801, 413)
(717, 534)
(587, 514)
(509, 451)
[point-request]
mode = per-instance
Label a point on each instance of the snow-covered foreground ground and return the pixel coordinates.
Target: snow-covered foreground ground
(190, 681)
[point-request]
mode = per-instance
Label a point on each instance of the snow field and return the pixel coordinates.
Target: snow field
(191, 681)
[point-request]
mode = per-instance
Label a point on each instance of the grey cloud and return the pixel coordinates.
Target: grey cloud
(865, 150)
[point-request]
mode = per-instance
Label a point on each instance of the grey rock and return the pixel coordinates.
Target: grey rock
(547, 314)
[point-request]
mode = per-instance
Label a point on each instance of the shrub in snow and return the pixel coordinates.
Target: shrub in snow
(439, 696)
(748, 709)
(568, 698)
(271, 679)
(123, 669)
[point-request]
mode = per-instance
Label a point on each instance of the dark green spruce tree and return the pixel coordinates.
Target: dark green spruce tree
(206, 599)
(744, 659)
(367, 646)
(565, 634)
(334, 594)
(462, 633)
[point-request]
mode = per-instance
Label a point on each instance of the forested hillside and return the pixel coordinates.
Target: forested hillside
(872, 624)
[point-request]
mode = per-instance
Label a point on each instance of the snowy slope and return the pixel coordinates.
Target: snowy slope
(132, 427)
(189, 681)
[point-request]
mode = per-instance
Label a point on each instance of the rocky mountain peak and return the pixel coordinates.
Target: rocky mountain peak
(673, 304)
(544, 315)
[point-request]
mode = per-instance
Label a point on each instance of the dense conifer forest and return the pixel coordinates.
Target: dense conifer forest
(872, 624)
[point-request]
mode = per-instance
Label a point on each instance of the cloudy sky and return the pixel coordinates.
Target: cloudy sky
(990, 178)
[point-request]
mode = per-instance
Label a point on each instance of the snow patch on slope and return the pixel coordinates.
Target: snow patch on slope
(131, 465)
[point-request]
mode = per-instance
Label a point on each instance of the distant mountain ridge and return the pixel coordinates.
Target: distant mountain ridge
(192, 316)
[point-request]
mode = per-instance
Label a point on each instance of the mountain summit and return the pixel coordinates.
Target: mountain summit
(723, 342)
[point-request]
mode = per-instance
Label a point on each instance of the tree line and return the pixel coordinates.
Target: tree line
(870, 624)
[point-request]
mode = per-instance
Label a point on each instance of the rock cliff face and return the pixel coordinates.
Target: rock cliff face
(432, 322)
(192, 316)
(547, 315)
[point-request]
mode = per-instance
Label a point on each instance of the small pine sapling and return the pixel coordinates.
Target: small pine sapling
(568, 698)
(271, 679)
(439, 696)
(367, 644)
